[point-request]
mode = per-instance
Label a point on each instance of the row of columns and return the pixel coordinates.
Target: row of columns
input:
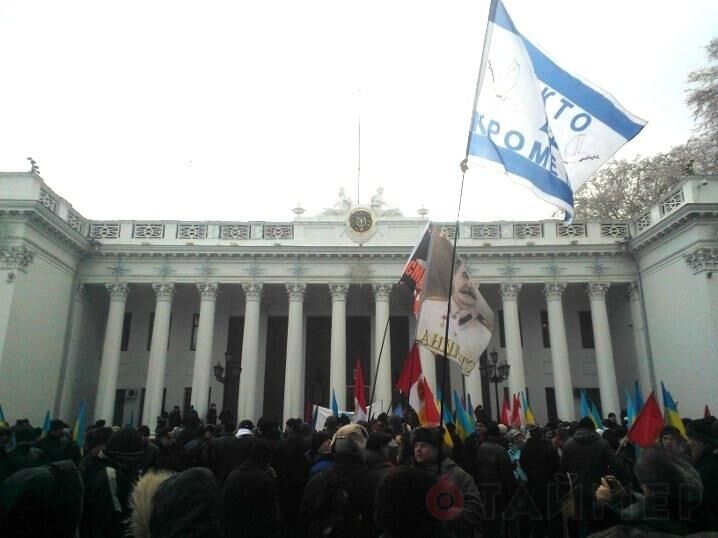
(249, 404)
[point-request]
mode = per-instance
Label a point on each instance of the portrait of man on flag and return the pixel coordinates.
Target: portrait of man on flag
(471, 320)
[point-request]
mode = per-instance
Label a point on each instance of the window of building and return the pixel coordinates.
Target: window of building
(502, 332)
(195, 327)
(584, 318)
(544, 329)
(126, 325)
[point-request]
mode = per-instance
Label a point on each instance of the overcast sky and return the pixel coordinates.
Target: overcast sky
(229, 110)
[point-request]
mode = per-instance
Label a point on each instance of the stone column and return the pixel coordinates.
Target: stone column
(512, 332)
(338, 357)
(294, 368)
(250, 394)
(561, 365)
(639, 338)
(70, 373)
(382, 393)
(107, 384)
(604, 352)
(164, 293)
(203, 349)
(473, 386)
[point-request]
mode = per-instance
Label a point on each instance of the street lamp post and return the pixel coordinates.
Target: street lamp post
(496, 373)
(234, 368)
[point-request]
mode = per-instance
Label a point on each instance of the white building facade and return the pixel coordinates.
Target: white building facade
(134, 316)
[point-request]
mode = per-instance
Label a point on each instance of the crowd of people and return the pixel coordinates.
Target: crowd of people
(386, 477)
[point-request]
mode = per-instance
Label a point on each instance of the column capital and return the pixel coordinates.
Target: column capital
(597, 290)
(118, 291)
(16, 257)
(164, 291)
(554, 291)
(382, 292)
(80, 292)
(296, 291)
(702, 259)
(339, 290)
(207, 290)
(252, 290)
(510, 291)
(633, 292)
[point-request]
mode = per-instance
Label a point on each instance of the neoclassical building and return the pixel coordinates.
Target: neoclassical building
(264, 318)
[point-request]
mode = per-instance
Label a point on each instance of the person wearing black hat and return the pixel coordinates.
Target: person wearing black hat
(56, 444)
(108, 483)
(427, 446)
(25, 454)
(381, 450)
(320, 453)
(42, 502)
(704, 447)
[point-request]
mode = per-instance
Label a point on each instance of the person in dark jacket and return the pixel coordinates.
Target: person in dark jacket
(151, 454)
(671, 491)
(348, 446)
(228, 452)
(401, 507)
(212, 414)
(381, 450)
(95, 441)
(495, 478)
(428, 456)
(704, 447)
(24, 454)
(57, 446)
(294, 469)
(320, 453)
(586, 457)
(175, 418)
(108, 482)
(169, 452)
(249, 499)
(540, 462)
(187, 505)
(44, 501)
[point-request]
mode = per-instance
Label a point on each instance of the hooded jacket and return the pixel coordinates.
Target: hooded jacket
(141, 502)
(187, 505)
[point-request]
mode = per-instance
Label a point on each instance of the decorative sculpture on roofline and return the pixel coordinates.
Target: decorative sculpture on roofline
(344, 204)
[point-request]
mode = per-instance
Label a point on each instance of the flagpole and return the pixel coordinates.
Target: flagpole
(464, 168)
(480, 78)
(378, 359)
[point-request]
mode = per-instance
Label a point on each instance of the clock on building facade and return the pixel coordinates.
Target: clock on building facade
(361, 224)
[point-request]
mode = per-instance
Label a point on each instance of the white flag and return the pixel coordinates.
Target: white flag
(547, 129)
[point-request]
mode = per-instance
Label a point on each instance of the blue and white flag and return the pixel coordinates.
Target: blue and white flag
(545, 128)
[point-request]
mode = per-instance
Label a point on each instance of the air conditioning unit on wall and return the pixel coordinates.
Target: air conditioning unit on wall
(131, 394)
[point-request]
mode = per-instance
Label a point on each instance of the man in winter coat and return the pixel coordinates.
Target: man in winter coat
(428, 457)
(249, 499)
(56, 444)
(228, 452)
(540, 462)
(494, 478)
(587, 457)
(108, 482)
(704, 446)
(340, 501)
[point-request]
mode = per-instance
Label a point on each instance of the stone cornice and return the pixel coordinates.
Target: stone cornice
(38, 215)
(672, 222)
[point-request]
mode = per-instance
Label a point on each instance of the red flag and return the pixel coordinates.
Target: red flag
(412, 383)
(646, 429)
(506, 412)
(359, 398)
(707, 412)
(515, 412)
